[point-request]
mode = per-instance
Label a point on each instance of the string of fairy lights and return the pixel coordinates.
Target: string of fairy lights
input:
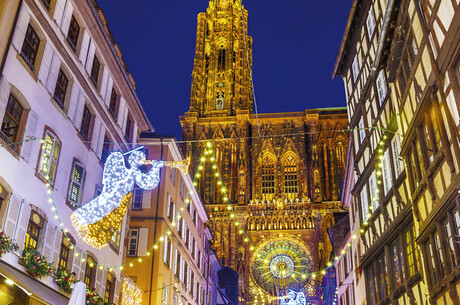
(208, 155)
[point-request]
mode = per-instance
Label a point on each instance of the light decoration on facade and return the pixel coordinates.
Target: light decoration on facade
(346, 247)
(293, 298)
(131, 293)
(97, 221)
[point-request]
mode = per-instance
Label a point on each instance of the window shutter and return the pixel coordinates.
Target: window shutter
(104, 80)
(45, 65)
(57, 245)
(73, 103)
(170, 254)
(98, 279)
(165, 250)
(5, 89)
(79, 111)
(26, 148)
(142, 244)
(96, 130)
(134, 137)
(100, 140)
(12, 215)
(147, 200)
(82, 255)
(90, 57)
(67, 17)
(103, 281)
(121, 112)
(48, 242)
(54, 71)
(364, 203)
(21, 29)
(164, 296)
(168, 206)
(59, 11)
(21, 229)
(117, 291)
(84, 47)
(387, 179)
(108, 93)
(76, 263)
(396, 148)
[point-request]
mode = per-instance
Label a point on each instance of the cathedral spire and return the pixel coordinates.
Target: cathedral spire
(221, 82)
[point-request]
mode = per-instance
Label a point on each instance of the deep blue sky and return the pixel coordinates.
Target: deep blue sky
(295, 46)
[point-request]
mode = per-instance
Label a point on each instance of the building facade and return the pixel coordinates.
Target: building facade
(282, 173)
(400, 64)
(168, 243)
(66, 101)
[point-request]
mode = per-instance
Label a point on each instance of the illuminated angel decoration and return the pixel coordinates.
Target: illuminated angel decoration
(294, 298)
(97, 221)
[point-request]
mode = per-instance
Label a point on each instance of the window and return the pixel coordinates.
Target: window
(182, 189)
(364, 203)
(33, 232)
(95, 70)
(383, 274)
(177, 263)
(373, 191)
(76, 184)
(109, 284)
(411, 250)
(382, 88)
(370, 282)
(86, 123)
(64, 254)
(74, 32)
(450, 244)
(133, 237)
(60, 89)
(49, 156)
(362, 131)
(105, 150)
(170, 208)
(128, 130)
(137, 198)
(164, 295)
(221, 60)
(47, 4)
(113, 103)
(370, 22)
(396, 149)
(115, 241)
(167, 250)
(268, 178)
(173, 175)
(355, 68)
(12, 119)
(437, 244)
(386, 172)
(398, 262)
(30, 47)
(89, 273)
(290, 178)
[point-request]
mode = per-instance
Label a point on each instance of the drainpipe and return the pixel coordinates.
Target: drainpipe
(10, 37)
(383, 34)
(155, 230)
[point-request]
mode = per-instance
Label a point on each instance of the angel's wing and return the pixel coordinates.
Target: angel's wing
(114, 168)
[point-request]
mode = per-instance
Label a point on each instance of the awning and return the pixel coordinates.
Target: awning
(35, 288)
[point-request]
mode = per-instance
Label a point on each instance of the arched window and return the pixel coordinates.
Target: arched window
(221, 60)
(268, 178)
(290, 177)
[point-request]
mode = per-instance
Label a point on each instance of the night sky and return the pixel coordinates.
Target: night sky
(295, 46)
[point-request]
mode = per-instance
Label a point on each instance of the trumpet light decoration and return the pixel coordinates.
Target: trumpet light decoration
(97, 220)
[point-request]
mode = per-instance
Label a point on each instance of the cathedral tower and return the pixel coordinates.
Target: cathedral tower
(221, 77)
(282, 171)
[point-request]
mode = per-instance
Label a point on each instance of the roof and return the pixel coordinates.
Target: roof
(348, 31)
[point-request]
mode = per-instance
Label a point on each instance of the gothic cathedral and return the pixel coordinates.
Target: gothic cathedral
(283, 171)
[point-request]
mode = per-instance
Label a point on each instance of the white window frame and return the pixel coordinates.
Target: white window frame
(47, 156)
(362, 131)
(355, 68)
(364, 203)
(165, 250)
(132, 236)
(78, 184)
(373, 191)
(370, 23)
(386, 172)
(382, 88)
(396, 149)
(164, 295)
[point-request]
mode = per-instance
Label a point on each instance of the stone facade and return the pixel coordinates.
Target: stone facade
(283, 172)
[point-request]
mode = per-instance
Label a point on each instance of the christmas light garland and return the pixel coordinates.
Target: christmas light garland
(364, 227)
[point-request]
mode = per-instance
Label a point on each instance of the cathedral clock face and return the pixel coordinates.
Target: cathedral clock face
(281, 265)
